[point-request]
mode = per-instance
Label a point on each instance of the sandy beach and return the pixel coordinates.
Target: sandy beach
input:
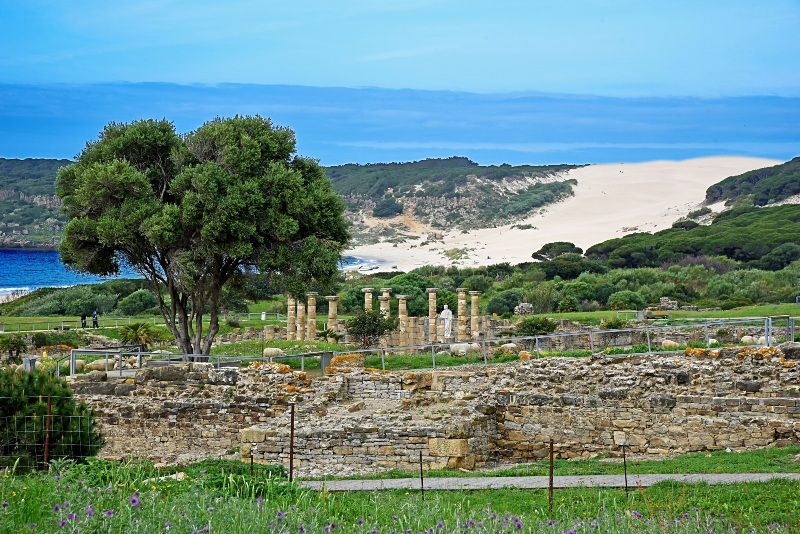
(611, 200)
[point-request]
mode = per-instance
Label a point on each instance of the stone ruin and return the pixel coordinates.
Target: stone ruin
(358, 421)
(301, 319)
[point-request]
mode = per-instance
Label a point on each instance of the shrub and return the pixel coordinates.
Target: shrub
(626, 300)
(140, 334)
(368, 327)
(137, 302)
(536, 326)
(388, 207)
(73, 432)
(13, 345)
(568, 304)
(555, 249)
(617, 323)
(504, 302)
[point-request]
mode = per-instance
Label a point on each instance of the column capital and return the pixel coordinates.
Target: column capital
(432, 290)
(312, 294)
(367, 289)
(461, 289)
(474, 293)
(402, 297)
(332, 298)
(386, 290)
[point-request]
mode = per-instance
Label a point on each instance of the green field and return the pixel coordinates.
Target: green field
(219, 496)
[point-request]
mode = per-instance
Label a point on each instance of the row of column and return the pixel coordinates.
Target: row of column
(402, 309)
(301, 318)
(301, 325)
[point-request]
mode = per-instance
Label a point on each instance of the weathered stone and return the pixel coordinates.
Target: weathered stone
(271, 352)
(448, 447)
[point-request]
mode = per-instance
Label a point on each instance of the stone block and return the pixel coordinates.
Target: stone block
(253, 435)
(448, 447)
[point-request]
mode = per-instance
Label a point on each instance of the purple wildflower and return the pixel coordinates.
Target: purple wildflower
(637, 515)
(167, 523)
(56, 508)
(517, 523)
(135, 502)
(301, 529)
(359, 521)
(330, 528)
(281, 515)
(71, 516)
(206, 528)
(394, 518)
(470, 523)
(570, 531)
(552, 522)
(108, 513)
(62, 523)
(5, 505)
(195, 531)
(202, 471)
(65, 505)
(259, 500)
(89, 511)
(440, 525)
(57, 477)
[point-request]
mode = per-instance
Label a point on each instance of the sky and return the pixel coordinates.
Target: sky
(371, 80)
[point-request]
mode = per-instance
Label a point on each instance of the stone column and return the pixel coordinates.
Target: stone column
(402, 314)
(462, 314)
(291, 323)
(474, 322)
(333, 302)
(311, 321)
(432, 313)
(367, 298)
(301, 320)
(385, 298)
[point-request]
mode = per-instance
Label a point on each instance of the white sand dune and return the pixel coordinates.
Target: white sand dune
(610, 200)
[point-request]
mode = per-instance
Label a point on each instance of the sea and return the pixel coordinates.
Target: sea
(23, 270)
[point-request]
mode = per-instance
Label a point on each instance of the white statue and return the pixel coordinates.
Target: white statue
(447, 317)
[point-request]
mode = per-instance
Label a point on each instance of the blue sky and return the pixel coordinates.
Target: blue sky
(485, 79)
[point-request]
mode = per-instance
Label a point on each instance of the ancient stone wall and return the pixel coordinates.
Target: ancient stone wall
(360, 421)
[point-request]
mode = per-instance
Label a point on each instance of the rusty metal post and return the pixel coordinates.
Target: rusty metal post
(421, 479)
(550, 483)
(625, 468)
(47, 424)
(291, 445)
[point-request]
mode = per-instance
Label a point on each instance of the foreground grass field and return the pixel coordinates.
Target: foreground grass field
(774, 460)
(218, 496)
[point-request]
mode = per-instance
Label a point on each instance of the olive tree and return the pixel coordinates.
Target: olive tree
(194, 213)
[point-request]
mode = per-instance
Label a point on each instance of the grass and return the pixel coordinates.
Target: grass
(773, 460)
(223, 497)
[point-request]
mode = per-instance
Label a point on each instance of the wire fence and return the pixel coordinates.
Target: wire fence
(110, 321)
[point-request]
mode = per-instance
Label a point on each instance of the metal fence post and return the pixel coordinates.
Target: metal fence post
(433, 356)
(73, 365)
(649, 347)
(383, 359)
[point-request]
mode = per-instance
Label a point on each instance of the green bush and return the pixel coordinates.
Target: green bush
(137, 302)
(626, 300)
(13, 346)
(615, 323)
(388, 207)
(504, 302)
(368, 327)
(46, 339)
(535, 326)
(72, 432)
(568, 304)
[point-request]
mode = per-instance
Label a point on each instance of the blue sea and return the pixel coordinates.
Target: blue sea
(27, 270)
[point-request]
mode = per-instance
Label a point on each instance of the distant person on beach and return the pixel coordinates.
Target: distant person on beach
(83, 319)
(95, 324)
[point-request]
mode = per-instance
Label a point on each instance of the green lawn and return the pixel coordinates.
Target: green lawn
(774, 460)
(223, 497)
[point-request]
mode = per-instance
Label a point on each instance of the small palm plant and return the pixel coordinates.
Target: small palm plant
(140, 334)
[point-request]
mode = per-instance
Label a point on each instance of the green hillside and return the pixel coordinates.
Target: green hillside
(761, 237)
(764, 186)
(30, 214)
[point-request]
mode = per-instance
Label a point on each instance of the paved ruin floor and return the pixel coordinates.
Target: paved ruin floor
(540, 482)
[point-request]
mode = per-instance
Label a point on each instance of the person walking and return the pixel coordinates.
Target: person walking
(95, 324)
(83, 319)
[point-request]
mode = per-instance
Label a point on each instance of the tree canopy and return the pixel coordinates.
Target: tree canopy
(193, 213)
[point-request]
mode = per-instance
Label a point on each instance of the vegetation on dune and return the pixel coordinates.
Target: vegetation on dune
(762, 186)
(123, 297)
(748, 235)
